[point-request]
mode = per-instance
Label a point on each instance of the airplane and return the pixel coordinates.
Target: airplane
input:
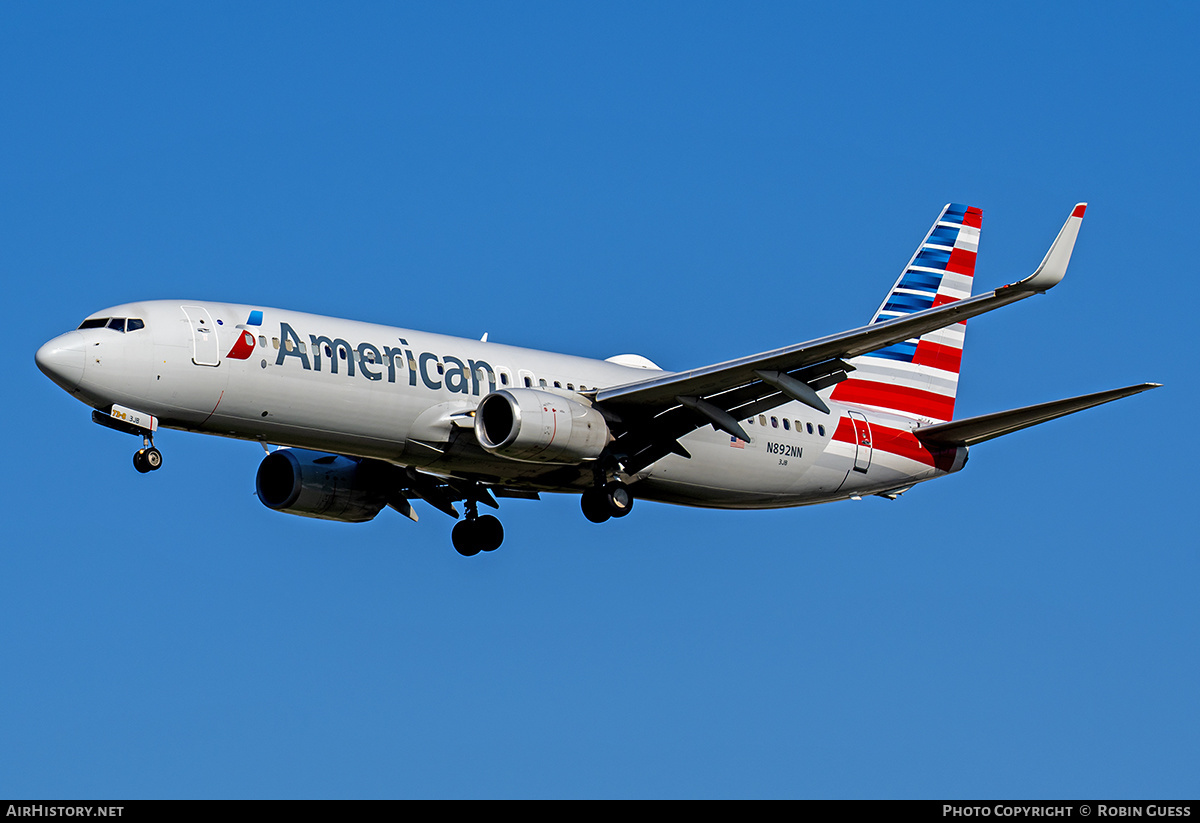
(366, 416)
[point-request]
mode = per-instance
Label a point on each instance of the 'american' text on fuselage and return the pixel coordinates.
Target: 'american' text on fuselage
(459, 377)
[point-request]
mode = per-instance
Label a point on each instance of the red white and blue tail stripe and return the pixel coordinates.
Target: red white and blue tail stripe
(919, 377)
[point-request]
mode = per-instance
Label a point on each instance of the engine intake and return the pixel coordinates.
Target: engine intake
(324, 486)
(539, 427)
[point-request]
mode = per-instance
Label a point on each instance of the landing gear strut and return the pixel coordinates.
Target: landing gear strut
(475, 534)
(601, 502)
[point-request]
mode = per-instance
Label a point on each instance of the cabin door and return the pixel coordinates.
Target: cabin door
(206, 350)
(862, 441)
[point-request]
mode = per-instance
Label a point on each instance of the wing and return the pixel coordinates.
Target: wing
(654, 413)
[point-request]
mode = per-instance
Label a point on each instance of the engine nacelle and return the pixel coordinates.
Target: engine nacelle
(539, 427)
(314, 484)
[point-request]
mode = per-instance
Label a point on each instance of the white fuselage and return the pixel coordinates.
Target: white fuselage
(406, 397)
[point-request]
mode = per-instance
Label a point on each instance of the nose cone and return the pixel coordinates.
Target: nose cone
(62, 360)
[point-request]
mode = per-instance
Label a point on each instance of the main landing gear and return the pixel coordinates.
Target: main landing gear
(476, 534)
(147, 458)
(601, 502)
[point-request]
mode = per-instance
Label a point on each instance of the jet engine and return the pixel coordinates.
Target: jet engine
(539, 427)
(325, 486)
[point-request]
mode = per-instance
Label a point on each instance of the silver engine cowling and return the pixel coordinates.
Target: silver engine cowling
(539, 427)
(314, 484)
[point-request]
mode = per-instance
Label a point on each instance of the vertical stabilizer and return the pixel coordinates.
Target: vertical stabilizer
(919, 377)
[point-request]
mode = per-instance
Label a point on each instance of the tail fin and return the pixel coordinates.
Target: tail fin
(919, 377)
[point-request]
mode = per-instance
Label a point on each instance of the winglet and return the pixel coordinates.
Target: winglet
(1054, 264)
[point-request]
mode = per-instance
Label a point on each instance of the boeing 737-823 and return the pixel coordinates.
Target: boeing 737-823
(366, 416)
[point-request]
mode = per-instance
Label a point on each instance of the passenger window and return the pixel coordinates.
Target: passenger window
(821, 430)
(528, 383)
(557, 385)
(288, 345)
(262, 340)
(94, 323)
(762, 420)
(570, 387)
(341, 353)
(117, 324)
(786, 426)
(503, 379)
(542, 382)
(275, 342)
(810, 428)
(133, 324)
(774, 423)
(303, 347)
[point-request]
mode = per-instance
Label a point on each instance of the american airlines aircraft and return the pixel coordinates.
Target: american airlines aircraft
(366, 416)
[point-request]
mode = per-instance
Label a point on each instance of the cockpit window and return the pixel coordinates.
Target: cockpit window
(121, 324)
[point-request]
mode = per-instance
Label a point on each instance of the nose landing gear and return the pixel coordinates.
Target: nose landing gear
(147, 458)
(132, 421)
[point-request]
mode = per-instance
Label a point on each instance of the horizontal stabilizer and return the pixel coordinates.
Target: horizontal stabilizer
(974, 430)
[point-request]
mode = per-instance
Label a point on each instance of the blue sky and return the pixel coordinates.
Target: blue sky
(690, 182)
